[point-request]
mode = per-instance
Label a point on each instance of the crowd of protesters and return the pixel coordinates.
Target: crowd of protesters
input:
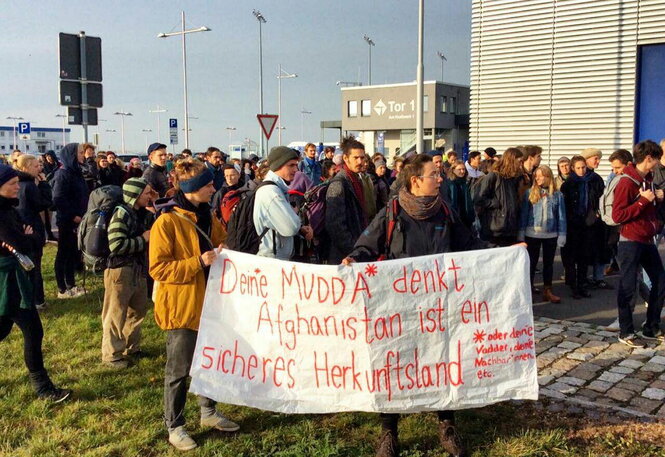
(323, 206)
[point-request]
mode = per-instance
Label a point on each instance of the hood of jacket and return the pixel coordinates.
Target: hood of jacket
(69, 159)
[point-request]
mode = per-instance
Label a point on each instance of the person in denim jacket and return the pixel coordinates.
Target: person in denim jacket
(543, 223)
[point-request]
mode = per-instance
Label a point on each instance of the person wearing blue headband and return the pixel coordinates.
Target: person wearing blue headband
(181, 250)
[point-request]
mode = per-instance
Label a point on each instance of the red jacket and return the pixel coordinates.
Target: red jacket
(635, 213)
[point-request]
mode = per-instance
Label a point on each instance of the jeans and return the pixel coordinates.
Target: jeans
(180, 345)
(631, 255)
(67, 257)
(549, 249)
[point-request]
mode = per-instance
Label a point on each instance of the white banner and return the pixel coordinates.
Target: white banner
(439, 332)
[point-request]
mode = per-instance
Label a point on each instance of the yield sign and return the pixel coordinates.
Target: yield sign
(267, 123)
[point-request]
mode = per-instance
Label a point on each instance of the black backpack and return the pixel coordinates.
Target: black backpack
(93, 239)
(241, 231)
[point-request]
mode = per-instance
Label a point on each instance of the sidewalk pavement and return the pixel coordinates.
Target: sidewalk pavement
(585, 366)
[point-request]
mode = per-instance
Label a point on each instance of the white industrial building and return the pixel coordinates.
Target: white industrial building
(567, 74)
(41, 139)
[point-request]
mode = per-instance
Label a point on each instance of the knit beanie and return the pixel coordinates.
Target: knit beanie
(6, 173)
(338, 159)
(132, 190)
(380, 163)
(279, 156)
(591, 152)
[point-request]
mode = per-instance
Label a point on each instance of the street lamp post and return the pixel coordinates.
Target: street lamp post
(370, 43)
(261, 20)
(183, 32)
(146, 131)
(302, 123)
(122, 115)
(281, 74)
(64, 120)
(443, 58)
(419, 81)
(14, 118)
(230, 130)
(158, 111)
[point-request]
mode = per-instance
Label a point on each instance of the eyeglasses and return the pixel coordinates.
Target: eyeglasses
(435, 176)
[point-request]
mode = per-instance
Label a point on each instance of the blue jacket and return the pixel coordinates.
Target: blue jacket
(312, 169)
(218, 179)
(70, 193)
(545, 219)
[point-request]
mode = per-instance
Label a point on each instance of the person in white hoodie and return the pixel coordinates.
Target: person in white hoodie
(473, 166)
(272, 210)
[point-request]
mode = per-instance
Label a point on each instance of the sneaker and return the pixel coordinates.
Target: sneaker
(181, 440)
(77, 291)
(219, 422)
(653, 335)
(614, 326)
(603, 285)
(117, 364)
(66, 294)
(632, 341)
(450, 439)
(55, 394)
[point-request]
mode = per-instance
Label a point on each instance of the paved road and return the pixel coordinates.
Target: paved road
(599, 309)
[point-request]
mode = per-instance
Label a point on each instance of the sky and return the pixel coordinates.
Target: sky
(321, 41)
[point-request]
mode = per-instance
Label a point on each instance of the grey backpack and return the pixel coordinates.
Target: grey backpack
(607, 200)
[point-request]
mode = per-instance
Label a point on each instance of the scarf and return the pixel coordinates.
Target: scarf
(310, 162)
(419, 208)
(357, 190)
(582, 187)
(203, 217)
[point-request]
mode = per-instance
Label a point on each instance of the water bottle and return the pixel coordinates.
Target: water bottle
(23, 259)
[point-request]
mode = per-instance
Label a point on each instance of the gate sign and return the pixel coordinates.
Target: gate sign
(173, 131)
(418, 334)
(267, 123)
(24, 130)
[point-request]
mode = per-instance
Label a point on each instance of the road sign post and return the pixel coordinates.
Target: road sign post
(81, 76)
(173, 131)
(267, 123)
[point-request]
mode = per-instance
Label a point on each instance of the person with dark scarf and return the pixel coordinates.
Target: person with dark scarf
(346, 211)
(425, 225)
(581, 191)
(16, 296)
(459, 193)
(377, 172)
(70, 199)
(181, 249)
(34, 197)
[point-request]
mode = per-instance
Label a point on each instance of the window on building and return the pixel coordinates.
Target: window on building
(425, 103)
(443, 101)
(27, 147)
(2, 147)
(366, 108)
(2, 133)
(353, 108)
(41, 134)
(453, 105)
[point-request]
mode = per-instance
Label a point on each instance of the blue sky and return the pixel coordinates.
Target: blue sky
(320, 41)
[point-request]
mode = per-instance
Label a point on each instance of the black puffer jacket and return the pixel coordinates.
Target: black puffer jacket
(33, 199)
(157, 178)
(70, 193)
(496, 200)
(345, 220)
(412, 238)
